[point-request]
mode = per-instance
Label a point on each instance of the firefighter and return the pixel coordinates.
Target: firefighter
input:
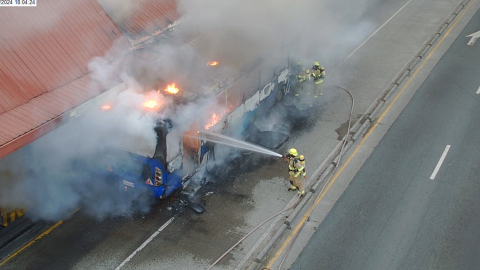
(299, 68)
(318, 74)
(295, 171)
(300, 76)
(302, 159)
(308, 83)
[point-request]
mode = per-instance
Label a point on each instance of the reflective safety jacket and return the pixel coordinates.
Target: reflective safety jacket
(302, 75)
(296, 167)
(318, 76)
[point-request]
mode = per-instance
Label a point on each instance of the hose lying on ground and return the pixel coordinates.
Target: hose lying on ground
(326, 182)
(288, 207)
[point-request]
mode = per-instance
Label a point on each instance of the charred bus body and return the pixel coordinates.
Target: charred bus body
(176, 159)
(244, 94)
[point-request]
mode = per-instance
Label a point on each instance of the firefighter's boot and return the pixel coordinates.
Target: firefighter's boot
(292, 188)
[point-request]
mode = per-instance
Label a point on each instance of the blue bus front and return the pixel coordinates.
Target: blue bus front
(140, 173)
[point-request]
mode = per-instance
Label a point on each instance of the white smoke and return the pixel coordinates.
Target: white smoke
(31, 25)
(57, 173)
(44, 176)
(119, 10)
(238, 31)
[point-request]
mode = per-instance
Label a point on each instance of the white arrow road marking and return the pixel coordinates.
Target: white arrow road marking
(145, 243)
(478, 91)
(439, 164)
(473, 38)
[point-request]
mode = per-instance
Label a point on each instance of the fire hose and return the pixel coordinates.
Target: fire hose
(288, 207)
(326, 182)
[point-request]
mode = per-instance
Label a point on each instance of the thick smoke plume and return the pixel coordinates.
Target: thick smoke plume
(239, 30)
(53, 176)
(62, 170)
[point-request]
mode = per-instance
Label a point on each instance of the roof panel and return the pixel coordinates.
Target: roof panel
(45, 106)
(33, 63)
(67, 71)
(14, 70)
(72, 91)
(54, 101)
(35, 109)
(149, 17)
(44, 61)
(3, 139)
(9, 97)
(44, 71)
(43, 109)
(44, 55)
(51, 50)
(13, 125)
(64, 95)
(93, 45)
(70, 42)
(48, 45)
(30, 118)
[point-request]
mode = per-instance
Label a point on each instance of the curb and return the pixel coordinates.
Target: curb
(17, 234)
(359, 128)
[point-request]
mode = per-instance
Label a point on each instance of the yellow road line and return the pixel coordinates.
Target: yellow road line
(49, 230)
(335, 177)
(31, 242)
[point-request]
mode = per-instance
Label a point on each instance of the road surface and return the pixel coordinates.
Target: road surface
(414, 203)
(237, 204)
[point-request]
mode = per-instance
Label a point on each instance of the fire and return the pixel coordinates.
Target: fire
(151, 104)
(106, 107)
(215, 118)
(212, 63)
(152, 100)
(172, 89)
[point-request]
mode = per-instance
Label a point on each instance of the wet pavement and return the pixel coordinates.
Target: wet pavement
(248, 193)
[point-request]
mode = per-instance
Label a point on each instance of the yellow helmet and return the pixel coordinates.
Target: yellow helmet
(322, 68)
(293, 152)
(307, 71)
(301, 157)
(316, 63)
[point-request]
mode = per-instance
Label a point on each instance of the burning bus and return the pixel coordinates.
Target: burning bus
(239, 93)
(177, 157)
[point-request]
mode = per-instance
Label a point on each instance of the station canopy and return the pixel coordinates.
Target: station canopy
(44, 56)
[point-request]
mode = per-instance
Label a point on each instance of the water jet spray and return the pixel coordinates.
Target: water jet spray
(225, 140)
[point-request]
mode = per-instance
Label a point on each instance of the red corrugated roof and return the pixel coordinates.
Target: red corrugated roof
(44, 55)
(149, 19)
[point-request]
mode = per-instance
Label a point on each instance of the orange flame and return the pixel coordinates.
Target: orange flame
(212, 63)
(215, 118)
(151, 104)
(106, 107)
(172, 89)
(152, 100)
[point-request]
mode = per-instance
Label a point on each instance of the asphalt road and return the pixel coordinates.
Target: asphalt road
(393, 215)
(241, 202)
